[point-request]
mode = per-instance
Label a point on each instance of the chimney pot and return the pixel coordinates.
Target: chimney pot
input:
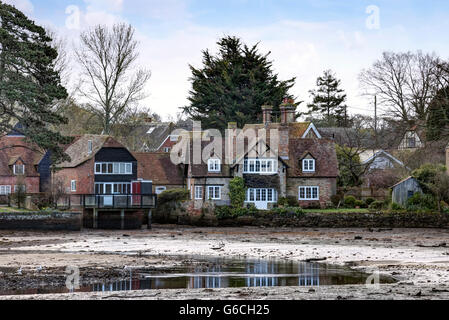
(266, 112)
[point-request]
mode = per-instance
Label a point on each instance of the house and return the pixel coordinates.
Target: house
(102, 179)
(158, 168)
(404, 190)
(22, 165)
(412, 139)
(303, 166)
(380, 160)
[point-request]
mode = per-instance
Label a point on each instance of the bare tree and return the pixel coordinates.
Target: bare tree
(111, 83)
(404, 83)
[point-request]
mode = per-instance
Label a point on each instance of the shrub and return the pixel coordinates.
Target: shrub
(336, 200)
(350, 201)
(282, 201)
(421, 202)
(288, 201)
(396, 207)
(237, 192)
(173, 195)
(289, 211)
(359, 203)
(223, 212)
(376, 205)
(368, 201)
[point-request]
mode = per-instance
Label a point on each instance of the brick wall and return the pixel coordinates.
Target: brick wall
(32, 183)
(328, 188)
(84, 175)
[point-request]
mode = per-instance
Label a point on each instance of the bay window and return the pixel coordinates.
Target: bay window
(259, 166)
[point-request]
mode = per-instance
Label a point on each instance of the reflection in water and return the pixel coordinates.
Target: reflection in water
(197, 273)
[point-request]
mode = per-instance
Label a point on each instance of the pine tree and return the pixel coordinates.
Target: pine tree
(233, 85)
(329, 99)
(30, 88)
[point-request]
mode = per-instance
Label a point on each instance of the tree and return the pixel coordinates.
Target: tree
(30, 87)
(328, 100)
(110, 83)
(437, 125)
(403, 82)
(434, 180)
(237, 192)
(233, 85)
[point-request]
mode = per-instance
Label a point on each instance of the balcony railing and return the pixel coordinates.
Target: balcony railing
(109, 201)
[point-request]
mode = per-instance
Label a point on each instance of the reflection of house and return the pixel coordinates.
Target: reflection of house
(404, 190)
(411, 140)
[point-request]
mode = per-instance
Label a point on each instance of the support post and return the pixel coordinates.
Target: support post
(122, 216)
(150, 217)
(95, 218)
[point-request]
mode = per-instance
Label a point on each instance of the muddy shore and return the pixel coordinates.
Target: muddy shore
(418, 258)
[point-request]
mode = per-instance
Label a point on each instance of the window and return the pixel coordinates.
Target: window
(410, 194)
(214, 165)
(198, 192)
(159, 190)
(167, 150)
(5, 190)
(20, 188)
(259, 166)
(214, 193)
(19, 169)
(308, 165)
(113, 168)
(89, 146)
(309, 193)
(174, 138)
(261, 195)
(113, 188)
(73, 185)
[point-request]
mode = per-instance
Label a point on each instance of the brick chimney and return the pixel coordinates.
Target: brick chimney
(288, 110)
(266, 112)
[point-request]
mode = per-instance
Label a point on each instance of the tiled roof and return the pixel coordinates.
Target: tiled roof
(13, 148)
(158, 168)
(323, 151)
(78, 149)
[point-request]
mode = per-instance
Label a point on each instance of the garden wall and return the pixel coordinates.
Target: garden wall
(71, 221)
(184, 213)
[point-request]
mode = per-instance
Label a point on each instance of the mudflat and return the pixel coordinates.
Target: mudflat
(417, 258)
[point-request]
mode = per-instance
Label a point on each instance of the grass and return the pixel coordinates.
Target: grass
(9, 209)
(344, 210)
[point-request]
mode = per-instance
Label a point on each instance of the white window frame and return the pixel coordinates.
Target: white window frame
(310, 188)
(199, 192)
(16, 187)
(16, 166)
(160, 189)
(251, 195)
(73, 185)
(126, 166)
(167, 149)
(214, 165)
(308, 165)
(259, 166)
(174, 138)
(214, 197)
(5, 190)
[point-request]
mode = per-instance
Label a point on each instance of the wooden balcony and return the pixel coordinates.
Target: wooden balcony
(109, 201)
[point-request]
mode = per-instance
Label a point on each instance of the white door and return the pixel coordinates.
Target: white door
(108, 200)
(261, 199)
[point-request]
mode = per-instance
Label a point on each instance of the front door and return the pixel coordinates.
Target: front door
(261, 197)
(108, 199)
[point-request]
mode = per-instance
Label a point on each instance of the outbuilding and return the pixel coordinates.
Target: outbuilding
(404, 190)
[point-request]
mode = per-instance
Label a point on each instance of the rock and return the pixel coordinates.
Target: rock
(358, 238)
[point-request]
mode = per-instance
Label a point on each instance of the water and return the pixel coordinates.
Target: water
(196, 273)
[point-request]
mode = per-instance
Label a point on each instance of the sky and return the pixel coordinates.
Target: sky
(305, 37)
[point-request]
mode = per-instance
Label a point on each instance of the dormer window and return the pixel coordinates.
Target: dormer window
(214, 165)
(89, 146)
(19, 169)
(308, 165)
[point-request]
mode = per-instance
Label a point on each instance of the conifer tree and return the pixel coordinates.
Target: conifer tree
(30, 88)
(233, 86)
(329, 100)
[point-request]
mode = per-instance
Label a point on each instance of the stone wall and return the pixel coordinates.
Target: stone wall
(112, 220)
(71, 221)
(186, 214)
(328, 188)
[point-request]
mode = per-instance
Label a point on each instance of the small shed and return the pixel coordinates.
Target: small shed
(404, 190)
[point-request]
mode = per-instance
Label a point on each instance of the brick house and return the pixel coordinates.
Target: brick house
(22, 164)
(304, 167)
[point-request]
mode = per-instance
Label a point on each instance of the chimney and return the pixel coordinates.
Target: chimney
(288, 110)
(447, 159)
(266, 112)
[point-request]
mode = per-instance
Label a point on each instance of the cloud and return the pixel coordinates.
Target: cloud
(23, 5)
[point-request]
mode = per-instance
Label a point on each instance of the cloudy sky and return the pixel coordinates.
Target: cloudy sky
(305, 37)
